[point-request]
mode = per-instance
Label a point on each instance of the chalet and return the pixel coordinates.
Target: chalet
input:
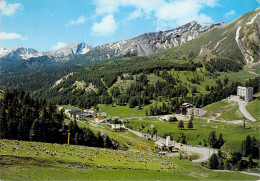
(184, 108)
(81, 115)
(188, 109)
(73, 113)
(102, 115)
(90, 113)
(117, 127)
(196, 112)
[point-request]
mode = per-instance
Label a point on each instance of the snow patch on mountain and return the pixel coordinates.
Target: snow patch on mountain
(219, 42)
(69, 52)
(4, 51)
(252, 20)
(23, 53)
(66, 53)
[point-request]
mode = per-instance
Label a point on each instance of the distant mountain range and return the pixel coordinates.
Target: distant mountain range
(66, 53)
(142, 45)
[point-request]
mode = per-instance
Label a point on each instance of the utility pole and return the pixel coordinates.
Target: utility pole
(68, 136)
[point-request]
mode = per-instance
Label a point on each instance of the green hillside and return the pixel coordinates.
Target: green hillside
(43, 161)
(254, 108)
(233, 134)
(201, 71)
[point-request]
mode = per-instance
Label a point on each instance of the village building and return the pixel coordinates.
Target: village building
(81, 115)
(61, 109)
(196, 112)
(117, 127)
(102, 115)
(190, 110)
(165, 118)
(101, 118)
(166, 144)
(90, 113)
(72, 114)
(184, 108)
(102, 121)
(245, 93)
(147, 136)
(67, 111)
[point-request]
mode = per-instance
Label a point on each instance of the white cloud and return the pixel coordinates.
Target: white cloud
(80, 20)
(137, 13)
(9, 36)
(230, 13)
(9, 9)
(173, 12)
(106, 27)
(59, 45)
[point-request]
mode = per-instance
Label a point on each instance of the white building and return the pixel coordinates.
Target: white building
(168, 141)
(245, 92)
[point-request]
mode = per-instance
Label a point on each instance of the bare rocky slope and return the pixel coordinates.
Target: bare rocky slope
(142, 45)
(149, 43)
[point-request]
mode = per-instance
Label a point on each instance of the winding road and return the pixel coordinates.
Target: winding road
(203, 151)
(242, 108)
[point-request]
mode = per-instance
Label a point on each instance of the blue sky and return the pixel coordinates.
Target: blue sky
(49, 24)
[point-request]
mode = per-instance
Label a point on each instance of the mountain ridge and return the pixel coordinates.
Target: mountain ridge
(141, 45)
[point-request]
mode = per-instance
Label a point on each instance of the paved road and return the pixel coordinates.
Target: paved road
(248, 173)
(135, 132)
(204, 152)
(242, 108)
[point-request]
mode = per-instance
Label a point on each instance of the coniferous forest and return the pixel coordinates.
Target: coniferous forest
(28, 119)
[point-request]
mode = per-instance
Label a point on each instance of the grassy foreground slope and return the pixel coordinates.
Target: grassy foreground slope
(21, 160)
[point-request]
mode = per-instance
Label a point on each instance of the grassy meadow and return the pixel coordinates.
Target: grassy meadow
(254, 109)
(20, 160)
(233, 133)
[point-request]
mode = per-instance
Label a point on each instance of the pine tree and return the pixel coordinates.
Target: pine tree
(221, 164)
(190, 124)
(3, 123)
(250, 162)
(181, 125)
(108, 142)
(100, 140)
(213, 161)
(220, 141)
(212, 138)
(247, 146)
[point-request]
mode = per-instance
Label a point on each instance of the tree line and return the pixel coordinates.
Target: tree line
(29, 119)
(238, 160)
